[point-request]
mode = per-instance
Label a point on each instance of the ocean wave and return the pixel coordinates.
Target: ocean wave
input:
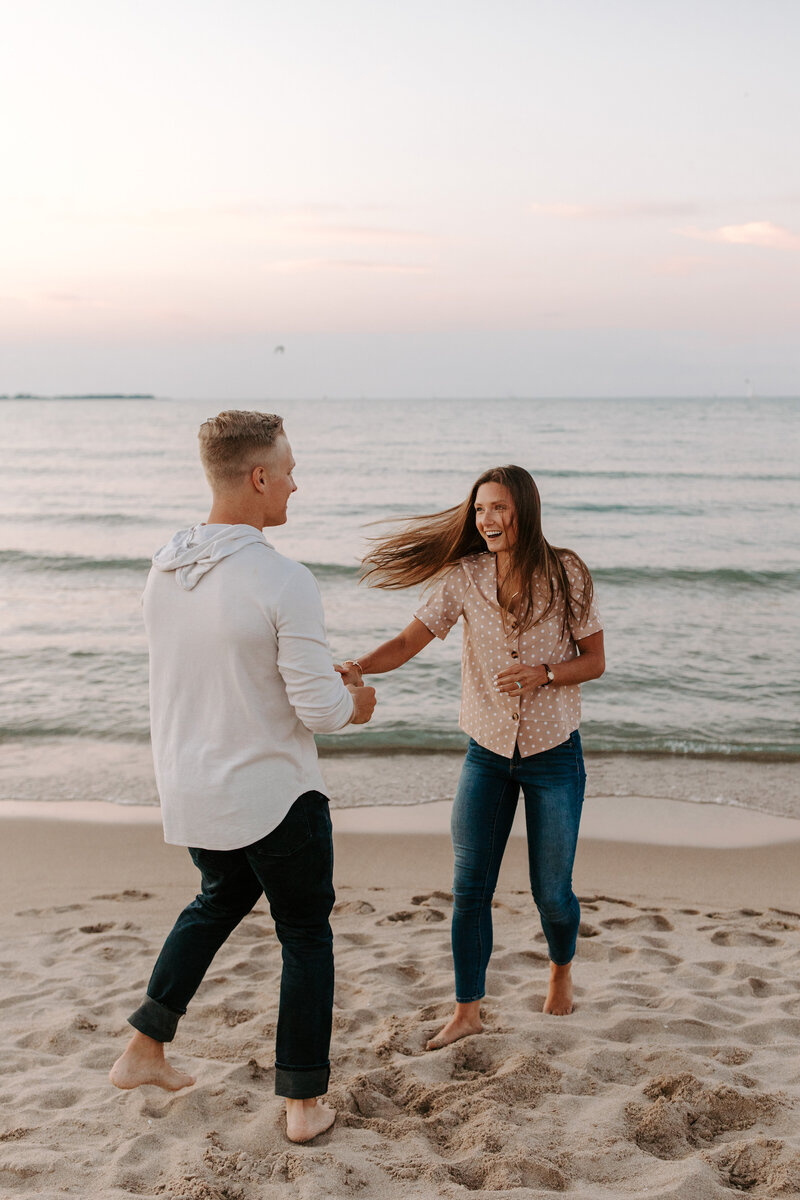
(30, 732)
(79, 518)
(784, 580)
(454, 741)
(600, 473)
(727, 577)
(638, 743)
(71, 562)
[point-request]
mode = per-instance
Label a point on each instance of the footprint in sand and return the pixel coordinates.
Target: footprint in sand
(447, 897)
(606, 900)
(731, 916)
(45, 912)
(732, 1056)
(645, 921)
(354, 939)
(685, 1114)
(404, 916)
(14, 1135)
(128, 894)
(760, 1163)
(345, 907)
(760, 987)
(101, 927)
(733, 937)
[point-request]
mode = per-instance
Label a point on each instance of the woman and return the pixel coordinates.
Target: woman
(532, 635)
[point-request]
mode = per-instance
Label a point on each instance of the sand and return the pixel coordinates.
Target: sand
(678, 1074)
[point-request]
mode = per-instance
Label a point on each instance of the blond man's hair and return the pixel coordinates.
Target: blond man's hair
(235, 442)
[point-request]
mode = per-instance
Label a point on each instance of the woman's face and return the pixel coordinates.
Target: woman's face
(496, 517)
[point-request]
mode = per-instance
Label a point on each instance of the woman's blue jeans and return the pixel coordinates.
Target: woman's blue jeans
(553, 784)
(293, 866)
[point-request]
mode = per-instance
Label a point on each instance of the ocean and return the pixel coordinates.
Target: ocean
(686, 512)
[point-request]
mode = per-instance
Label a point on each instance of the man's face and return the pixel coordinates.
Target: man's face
(280, 484)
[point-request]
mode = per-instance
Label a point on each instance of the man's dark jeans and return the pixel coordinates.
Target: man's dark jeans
(293, 866)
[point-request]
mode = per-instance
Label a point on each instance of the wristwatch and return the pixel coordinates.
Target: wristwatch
(549, 673)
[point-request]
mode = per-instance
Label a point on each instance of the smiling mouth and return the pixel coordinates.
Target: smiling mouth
(493, 533)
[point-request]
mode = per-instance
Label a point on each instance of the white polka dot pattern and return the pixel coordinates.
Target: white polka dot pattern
(534, 722)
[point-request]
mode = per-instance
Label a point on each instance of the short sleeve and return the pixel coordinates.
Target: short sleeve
(591, 622)
(445, 604)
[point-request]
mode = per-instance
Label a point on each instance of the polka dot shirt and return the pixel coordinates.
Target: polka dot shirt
(538, 720)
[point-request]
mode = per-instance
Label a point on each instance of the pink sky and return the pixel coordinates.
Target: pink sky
(527, 198)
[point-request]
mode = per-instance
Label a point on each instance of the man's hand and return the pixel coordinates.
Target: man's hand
(363, 703)
(350, 672)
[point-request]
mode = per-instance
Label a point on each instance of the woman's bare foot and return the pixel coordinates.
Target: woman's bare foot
(307, 1119)
(465, 1020)
(559, 993)
(143, 1062)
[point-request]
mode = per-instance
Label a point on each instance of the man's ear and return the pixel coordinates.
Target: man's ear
(258, 478)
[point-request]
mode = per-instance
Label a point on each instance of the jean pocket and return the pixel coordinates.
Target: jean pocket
(293, 833)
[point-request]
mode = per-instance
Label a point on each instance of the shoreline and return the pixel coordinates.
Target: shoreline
(77, 769)
(640, 820)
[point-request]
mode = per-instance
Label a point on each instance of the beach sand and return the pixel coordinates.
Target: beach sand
(678, 1074)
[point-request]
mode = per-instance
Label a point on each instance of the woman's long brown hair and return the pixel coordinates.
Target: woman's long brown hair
(428, 546)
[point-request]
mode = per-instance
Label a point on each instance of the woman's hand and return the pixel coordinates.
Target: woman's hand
(590, 664)
(350, 672)
(520, 680)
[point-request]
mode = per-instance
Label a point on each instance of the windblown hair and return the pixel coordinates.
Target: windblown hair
(231, 444)
(427, 547)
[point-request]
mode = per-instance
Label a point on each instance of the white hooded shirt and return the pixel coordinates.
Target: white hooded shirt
(241, 677)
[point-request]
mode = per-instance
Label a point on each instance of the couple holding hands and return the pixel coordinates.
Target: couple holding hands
(241, 678)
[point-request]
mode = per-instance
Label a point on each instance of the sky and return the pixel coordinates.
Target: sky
(252, 200)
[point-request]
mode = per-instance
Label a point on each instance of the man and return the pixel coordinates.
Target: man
(241, 678)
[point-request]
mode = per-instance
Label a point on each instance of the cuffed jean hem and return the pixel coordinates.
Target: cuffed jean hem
(301, 1083)
(155, 1020)
(469, 999)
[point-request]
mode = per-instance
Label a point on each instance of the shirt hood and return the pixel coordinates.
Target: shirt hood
(192, 553)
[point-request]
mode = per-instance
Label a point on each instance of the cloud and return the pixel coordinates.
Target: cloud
(753, 233)
(615, 212)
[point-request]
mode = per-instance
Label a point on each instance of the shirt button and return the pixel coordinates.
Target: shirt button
(514, 654)
(515, 716)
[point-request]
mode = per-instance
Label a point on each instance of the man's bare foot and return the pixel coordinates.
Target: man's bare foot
(465, 1020)
(143, 1062)
(559, 993)
(307, 1119)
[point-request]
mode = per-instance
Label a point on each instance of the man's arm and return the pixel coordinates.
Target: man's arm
(315, 691)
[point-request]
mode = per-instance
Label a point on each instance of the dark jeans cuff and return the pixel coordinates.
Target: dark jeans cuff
(155, 1021)
(301, 1083)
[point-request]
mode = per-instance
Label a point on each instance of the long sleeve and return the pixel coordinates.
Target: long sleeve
(314, 689)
